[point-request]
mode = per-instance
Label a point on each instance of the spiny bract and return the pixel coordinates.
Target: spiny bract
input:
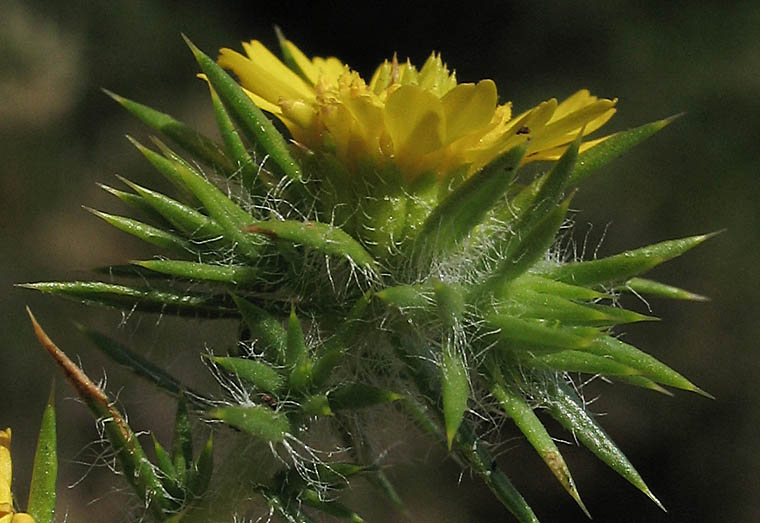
(391, 255)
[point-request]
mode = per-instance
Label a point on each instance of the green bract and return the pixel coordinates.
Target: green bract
(357, 286)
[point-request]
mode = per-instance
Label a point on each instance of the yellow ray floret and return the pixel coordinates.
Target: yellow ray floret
(421, 120)
(7, 514)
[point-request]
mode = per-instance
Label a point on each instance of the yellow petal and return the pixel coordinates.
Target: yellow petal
(414, 119)
(469, 108)
(269, 84)
(21, 517)
(330, 69)
(6, 467)
(574, 102)
(381, 78)
(303, 62)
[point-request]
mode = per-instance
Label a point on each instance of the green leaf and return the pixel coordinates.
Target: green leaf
(573, 361)
(200, 474)
(136, 202)
(182, 443)
(229, 274)
(135, 299)
(661, 290)
(359, 396)
(609, 347)
(129, 453)
(317, 405)
(312, 499)
(254, 124)
(146, 233)
(266, 328)
(139, 365)
(525, 251)
(538, 333)
(321, 237)
(245, 166)
(165, 465)
(296, 344)
(188, 221)
(261, 422)
(163, 165)
(42, 489)
(568, 410)
(192, 141)
(455, 390)
(407, 296)
(526, 420)
(613, 147)
(453, 219)
(450, 301)
(257, 373)
(533, 283)
(621, 267)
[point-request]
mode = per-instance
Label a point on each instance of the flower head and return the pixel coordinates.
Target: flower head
(7, 514)
(422, 120)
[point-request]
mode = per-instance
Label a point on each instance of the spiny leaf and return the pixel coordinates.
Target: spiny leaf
(139, 365)
(538, 333)
(322, 237)
(200, 475)
(257, 127)
(613, 147)
(236, 149)
(182, 442)
(312, 498)
(450, 302)
(661, 290)
(136, 202)
(453, 219)
(192, 141)
(130, 455)
(621, 267)
(610, 347)
(573, 361)
(42, 489)
(261, 422)
(145, 232)
(407, 296)
(568, 410)
(526, 250)
(266, 328)
(455, 391)
(229, 274)
(359, 396)
(257, 373)
(526, 420)
(296, 345)
(135, 299)
(529, 282)
(164, 166)
(191, 223)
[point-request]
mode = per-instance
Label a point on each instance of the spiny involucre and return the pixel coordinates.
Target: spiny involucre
(389, 254)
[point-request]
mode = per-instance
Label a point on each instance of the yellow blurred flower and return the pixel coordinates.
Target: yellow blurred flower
(7, 514)
(421, 120)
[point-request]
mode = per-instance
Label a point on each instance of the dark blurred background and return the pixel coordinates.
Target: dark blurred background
(59, 135)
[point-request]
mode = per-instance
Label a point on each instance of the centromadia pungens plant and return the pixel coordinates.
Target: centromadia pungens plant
(391, 254)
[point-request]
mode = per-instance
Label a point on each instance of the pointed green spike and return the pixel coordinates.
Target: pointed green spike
(134, 299)
(534, 283)
(139, 365)
(613, 147)
(136, 202)
(621, 267)
(322, 237)
(257, 373)
(257, 127)
(313, 499)
(165, 465)
(245, 166)
(182, 443)
(455, 391)
(191, 223)
(648, 366)
(261, 422)
(296, 345)
(129, 453)
(266, 328)
(539, 333)
(643, 382)
(192, 141)
(661, 290)
(528, 304)
(526, 420)
(145, 232)
(525, 251)
(164, 166)
(42, 489)
(359, 396)
(573, 361)
(568, 410)
(200, 474)
(238, 275)
(453, 219)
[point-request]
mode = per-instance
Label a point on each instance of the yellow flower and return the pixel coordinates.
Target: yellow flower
(421, 120)
(7, 514)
